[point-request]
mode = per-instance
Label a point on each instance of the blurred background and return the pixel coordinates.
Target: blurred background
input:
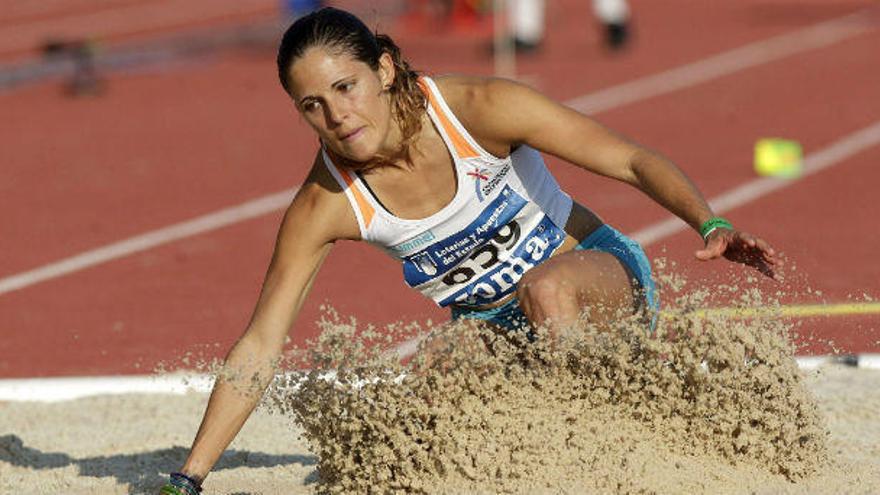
(147, 153)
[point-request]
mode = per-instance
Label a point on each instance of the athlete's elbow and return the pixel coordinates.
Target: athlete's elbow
(641, 166)
(257, 346)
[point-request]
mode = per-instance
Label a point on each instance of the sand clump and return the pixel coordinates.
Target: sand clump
(696, 406)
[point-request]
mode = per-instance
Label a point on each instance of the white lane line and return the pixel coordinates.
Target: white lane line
(77, 387)
(833, 154)
(688, 75)
(199, 225)
(751, 55)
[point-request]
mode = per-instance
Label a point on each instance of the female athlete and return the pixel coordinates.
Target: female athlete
(445, 175)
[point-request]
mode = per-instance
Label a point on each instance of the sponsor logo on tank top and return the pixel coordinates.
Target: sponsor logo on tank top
(496, 179)
(494, 270)
(485, 181)
(483, 262)
(479, 174)
(413, 243)
(448, 252)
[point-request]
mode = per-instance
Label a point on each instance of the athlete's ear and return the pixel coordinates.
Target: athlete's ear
(387, 71)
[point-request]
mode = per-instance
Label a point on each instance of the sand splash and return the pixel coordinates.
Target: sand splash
(705, 403)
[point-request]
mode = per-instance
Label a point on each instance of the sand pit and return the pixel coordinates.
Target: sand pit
(703, 405)
(122, 444)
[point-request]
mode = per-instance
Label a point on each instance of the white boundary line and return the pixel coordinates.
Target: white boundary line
(860, 361)
(71, 388)
(751, 55)
(77, 387)
(199, 225)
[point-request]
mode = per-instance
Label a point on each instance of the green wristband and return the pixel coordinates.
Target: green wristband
(170, 489)
(713, 223)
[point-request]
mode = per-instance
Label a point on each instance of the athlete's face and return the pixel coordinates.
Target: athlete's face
(345, 101)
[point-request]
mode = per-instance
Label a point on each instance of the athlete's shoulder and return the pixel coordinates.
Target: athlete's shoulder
(467, 92)
(491, 109)
(321, 204)
(479, 90)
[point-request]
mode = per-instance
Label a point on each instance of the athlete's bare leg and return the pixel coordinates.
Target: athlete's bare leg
(555, 293)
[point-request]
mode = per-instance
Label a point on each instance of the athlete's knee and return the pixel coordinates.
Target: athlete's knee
(544, 296)
(540, 287)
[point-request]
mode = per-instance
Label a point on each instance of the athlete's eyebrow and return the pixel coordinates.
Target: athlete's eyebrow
(344, 79)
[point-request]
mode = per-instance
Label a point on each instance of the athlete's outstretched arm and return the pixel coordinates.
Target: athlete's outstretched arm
(315, 219)
(509, 112)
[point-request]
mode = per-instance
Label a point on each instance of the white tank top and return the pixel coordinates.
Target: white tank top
(507, 216)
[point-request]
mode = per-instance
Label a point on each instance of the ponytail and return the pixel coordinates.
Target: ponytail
(407, 99)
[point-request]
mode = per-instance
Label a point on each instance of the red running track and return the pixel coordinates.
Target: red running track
(27, 26)
(168, 144)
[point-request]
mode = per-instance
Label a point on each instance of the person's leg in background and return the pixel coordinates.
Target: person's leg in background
(615, 18)
(526, 19)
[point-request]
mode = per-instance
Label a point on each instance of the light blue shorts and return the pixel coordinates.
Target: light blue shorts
(605, 239)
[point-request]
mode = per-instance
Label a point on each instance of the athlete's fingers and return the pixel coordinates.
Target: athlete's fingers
(758, 255)
(754, 241)
(758, 248)
(740, 247)
(743, 241)
(768, 252)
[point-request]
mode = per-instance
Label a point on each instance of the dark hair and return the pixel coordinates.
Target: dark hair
(343, 31)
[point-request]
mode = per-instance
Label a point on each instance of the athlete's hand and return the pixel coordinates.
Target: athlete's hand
(740, 247)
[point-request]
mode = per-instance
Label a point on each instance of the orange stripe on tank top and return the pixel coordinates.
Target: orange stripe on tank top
(367, 211)
(462, 148)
